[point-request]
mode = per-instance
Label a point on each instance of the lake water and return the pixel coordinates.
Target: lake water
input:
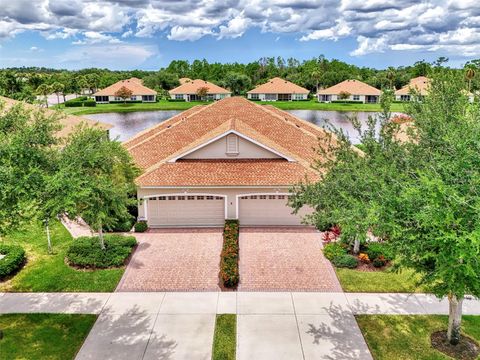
(127, 125)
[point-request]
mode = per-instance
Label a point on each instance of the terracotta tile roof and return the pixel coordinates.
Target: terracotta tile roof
(279, 86)
(276, 129)
(68, 122)
(254, 172)
(133, 84)
(184, 80)
(419, 84)
(191, 87)
(354, 87)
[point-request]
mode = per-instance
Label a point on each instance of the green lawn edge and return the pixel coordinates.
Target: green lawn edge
(172, 105)
(225, 337)
(49, 273)
(43, 336)
(403, 337)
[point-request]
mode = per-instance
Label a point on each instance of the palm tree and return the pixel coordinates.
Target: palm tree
(469, 75)
(316, 75)
(58, 88)
(390, 76)
(44, 90)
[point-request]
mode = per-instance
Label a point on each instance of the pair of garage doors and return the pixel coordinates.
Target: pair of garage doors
(201, 210)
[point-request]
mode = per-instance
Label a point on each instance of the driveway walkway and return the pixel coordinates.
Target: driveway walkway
(284, 259)
(175, 260)
(279, 325)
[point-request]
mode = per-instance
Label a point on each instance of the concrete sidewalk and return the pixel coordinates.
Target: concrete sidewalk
(271, 325)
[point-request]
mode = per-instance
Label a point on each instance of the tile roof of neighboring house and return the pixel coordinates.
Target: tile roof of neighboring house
(279, 86)
(134, 84)
(419, 84)
(192, 86)
(275, 129)
(353, 87)
(140, 81)
(68, 122)
(184, 80)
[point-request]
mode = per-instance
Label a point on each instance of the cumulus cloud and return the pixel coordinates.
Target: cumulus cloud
(377, 25)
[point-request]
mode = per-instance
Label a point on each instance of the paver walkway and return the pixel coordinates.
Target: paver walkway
(279, 325)
(175, 260)
(284, 259)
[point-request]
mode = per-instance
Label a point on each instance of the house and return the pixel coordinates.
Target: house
(189, 91)
(68, 122)
(139, 92)
(419, 85)
(278, 89)
(233, 159)
(350, 90)
(184, 80)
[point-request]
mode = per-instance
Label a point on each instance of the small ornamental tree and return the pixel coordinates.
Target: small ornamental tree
(420, 194)
(202, 92)
(124, 93)
(344, 95)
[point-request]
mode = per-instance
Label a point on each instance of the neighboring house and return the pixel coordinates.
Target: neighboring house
(233, 159)
(419, 85)
(139, 92)
(350, 90)
(184, 80)
(188, 91)
(278, 89)
(68, 122)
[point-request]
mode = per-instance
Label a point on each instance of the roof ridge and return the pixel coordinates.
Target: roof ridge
(200, 109)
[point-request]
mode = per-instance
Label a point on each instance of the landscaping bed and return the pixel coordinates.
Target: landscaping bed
(410, 337)
(43, 336)
(45, 272)
(229, 273)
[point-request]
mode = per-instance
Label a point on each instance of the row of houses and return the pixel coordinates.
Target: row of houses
(276, 89)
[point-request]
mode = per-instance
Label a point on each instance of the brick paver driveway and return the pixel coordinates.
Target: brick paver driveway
(174, 260)
(284, 259)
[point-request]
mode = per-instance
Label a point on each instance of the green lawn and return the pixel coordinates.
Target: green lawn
(170, 105)
(45, 272)
(43, 336)
(377, 281)
(224, 341)
(403, 337)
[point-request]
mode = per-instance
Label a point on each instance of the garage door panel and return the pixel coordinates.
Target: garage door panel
(268, 210)
(186, 211)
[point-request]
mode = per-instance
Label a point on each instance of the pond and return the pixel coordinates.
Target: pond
(127, 125)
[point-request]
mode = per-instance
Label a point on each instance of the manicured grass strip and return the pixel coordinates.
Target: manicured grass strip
(377, 281)
(43, 336)
(49, 273)
(225, 338)
(403, 337)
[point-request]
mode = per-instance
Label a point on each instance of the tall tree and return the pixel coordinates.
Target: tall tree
(43, 91)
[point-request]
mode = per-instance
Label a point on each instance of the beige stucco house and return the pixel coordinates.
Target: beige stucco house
(355, 90)
(135, 85)
(188, 91)
(419, 85)
(232, 159)
(278, 89)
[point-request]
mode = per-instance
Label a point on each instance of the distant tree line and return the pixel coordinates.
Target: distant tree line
(27, 83)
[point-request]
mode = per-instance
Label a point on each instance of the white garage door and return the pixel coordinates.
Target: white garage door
(186, 211)
(267, 210)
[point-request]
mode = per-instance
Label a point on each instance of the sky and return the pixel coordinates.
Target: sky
(148, 34)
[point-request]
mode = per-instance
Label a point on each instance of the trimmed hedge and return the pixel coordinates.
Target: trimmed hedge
(80, 102)
(176, 100)
(346, 102)
(229, 257)
(13, 260)
(128, 102)
(141, 226)
(345, 261)
(85, 252)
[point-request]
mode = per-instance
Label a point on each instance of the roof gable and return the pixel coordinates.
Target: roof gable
(192, 86)
(420, 84)
(278, 86)
(353, 87)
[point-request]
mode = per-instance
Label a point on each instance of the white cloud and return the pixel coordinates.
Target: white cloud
(369, 45)
(190, 33)
(341, 29)
(92, 37)
(234, 28)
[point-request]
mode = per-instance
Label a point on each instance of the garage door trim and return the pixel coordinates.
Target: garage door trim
(239, 196)
(146, 197)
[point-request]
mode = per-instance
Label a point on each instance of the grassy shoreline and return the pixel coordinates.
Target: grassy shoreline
(171, 105)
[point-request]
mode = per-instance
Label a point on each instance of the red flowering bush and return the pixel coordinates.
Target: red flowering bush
(229, 257)
(332, 234)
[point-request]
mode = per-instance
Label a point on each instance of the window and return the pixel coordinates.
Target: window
(171, 198)
(356, 97)
(218, 198)
(178, 96)
(200, 197)
(210, 197)
(254, 96)
(118, 98)
(148, 98)
(404, 97)
(181, 198)
(263, 197)
(271, 197)
(270, 97)
(162, 198)
(190, 197)
(133, 98)
(254, 197)
(232, 145)
(210, 97)
(101, 98)
(298, 97)
(281, 197)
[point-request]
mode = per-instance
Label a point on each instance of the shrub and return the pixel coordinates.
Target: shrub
(345, 261)
(229, 257)
(333, 250)
(346, 102)
(363, 258)
(86, 252)
(13, 260)
(176, 100)
(376, 249)
(331, 234)
(90, 103)
(379, 262)
(141, 226)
